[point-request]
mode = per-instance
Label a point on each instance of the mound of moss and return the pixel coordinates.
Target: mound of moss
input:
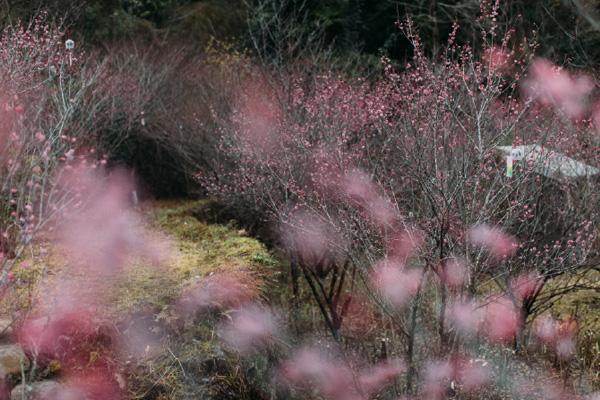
(198, 249)
(189, 361)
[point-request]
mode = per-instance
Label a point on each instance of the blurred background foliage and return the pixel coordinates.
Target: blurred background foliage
(160, 48)
(568, 30)
(104, 21)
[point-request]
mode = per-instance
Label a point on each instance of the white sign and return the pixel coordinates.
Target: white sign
(517, 154)
(70, 44)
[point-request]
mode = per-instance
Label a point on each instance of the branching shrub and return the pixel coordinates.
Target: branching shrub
(41, 88)
(404, 173)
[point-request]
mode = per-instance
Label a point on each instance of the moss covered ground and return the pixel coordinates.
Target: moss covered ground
(187, 360)
(198, 248)
(184, 358)
(190, 362)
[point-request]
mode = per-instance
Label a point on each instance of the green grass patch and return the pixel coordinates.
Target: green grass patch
(191, 360)
(198, 248)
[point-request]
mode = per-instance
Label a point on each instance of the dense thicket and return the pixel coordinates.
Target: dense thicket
(567, 30)
(354, 32)
(375, 146)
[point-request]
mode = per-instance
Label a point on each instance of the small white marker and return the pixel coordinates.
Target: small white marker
(70, 45)
(516, 154)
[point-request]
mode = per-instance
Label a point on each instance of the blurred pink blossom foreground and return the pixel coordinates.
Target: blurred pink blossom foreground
(492, 239)
(250, 328)
(396, 283)
(553, 86)
(335, 379)
(99, 231)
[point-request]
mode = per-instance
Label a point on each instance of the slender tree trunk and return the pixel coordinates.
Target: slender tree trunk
(523, 315)
(442, 319)
(323, 307)
(410, 350)
(443, 294)
(295, 275)
(435, 30)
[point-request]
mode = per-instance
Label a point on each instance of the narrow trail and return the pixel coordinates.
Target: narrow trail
(142, 302)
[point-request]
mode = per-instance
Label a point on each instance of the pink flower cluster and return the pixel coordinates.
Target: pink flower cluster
(99, 234)
(550, 85)
(335, 379)
(492, 239)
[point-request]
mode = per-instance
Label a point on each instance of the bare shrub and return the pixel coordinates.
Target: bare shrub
(373, 165)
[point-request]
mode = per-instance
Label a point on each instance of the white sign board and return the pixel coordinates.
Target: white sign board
(517, 154)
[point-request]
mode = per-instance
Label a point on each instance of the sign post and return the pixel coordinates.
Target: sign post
(70, 45)
(509, 166)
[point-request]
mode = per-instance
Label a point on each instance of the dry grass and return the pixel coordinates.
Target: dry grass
(199, 249)
(202, 252)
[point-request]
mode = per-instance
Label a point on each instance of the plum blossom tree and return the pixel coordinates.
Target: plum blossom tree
(397, 185)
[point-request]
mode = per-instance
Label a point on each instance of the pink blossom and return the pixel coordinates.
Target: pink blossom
(553, 391)
(51, 335)
(403, 245)
(553, 86)
(250, 328)
(40, 137)
(501, 320)
(396, 283)
(382, 212)
(310, 238)
(69, 315)
(497, 59)
(453, 272)
(546, 329)
(325, 172)
(468, 375)
(218, 290)
(70, 154)
(474, 374)
(466, 316)
(63, 330)
(438, 375)
(335, 379)
(565, 348)
(565, 344)
(90, 383)
(525, 285)
(497, 243)
(102, 233)
(373, 379)
(358, 186)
